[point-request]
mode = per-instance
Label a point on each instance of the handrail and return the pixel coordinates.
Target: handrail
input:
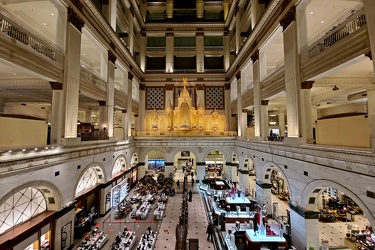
(349, 26)
(184, 134)
(92, 77)
(20, 34)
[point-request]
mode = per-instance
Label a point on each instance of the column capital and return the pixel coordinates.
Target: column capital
(135, 115)
(124, 111)
(237, 10)
(227, 86)
(169, 34)
(200, 86)
(264, 102)
(255, 56)
(238, 76)
(75, 19)
(143, 33)
(244, 110)
(56, 85)
(130, 76)
(77, 4)
(111, 57)
(169, 86)
(307, 84)
(264, 185)
(200, 79)
(199, 34)
(305, 214)
(131, 11)
(369, 55)
(226, 32)
(102, 103)
(142, 86)
(289, 17)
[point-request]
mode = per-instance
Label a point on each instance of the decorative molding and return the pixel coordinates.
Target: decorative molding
(289, 17)
(227, 86)
(238, 76)
(142, 86)
(124, 111)
(200, 79)
(75, 19)
(56, 85)
(169, 86)
(264, 102)
(111, 57)
(303, 213)
(199, 86)
(264, 185)
(135, 115)
(369, 55)
(169, 34)
(244, 171)
(131, 11)
(307, 84)
(255, 56)
(169, 79)
(102, 103)
(77, 4)
(199, 34)
(244, 110)
(130, 76)
(226, 33)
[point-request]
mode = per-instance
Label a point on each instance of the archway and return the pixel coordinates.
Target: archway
(119, 166)
(249, 165)
(344, 219)
(184, 162)
(215, 164)
(154, 162)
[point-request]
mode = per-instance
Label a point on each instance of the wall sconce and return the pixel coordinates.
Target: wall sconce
(335, 88)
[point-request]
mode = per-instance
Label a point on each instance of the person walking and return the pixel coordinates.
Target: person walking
(210, 231)
(190, 196)
(178, 184)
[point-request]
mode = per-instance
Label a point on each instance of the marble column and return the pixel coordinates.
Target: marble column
(244, 179)
(244, 122)
(56, 113)
(103, 122)
(263, 194)
(169, 88)
(237, 18)
(130, 30)
(239, 106)
(306, 114)
(369, 7)
(129, 105)
(141, 170)
(61, 25)
(169, 48)
(226, 50)
(199, 9)
(125, 123)
(65, 216)
(234, 170)
(110, 94)
(199, 47)
(292, 77)
(371, 116)
(109, 12)
(264, 133)
(304, 228)
(71, 78)
(200, 95)
(88, 116)
(142, 51)
(281, 117)
(201, 171)
(169, 169)
(257, 86)
(257, 10)
(169, 8)
(302, 24)
(141, 108)
(228, 171)
(227, 104)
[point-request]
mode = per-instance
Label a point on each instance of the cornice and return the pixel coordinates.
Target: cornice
(25, 83)
(350, 81)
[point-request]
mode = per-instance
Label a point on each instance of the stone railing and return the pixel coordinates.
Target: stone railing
(26, 38)
(185, 134)
(92, 77)
(349, 26)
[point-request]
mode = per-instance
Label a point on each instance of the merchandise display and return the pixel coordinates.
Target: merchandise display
(95, 240)
(159, 211)
(143, 210)
(147, 241)
(125, 241)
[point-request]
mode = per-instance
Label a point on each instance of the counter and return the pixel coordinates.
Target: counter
(256, 242)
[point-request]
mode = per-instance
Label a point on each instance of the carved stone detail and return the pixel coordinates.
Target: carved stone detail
(227, 86)
(289, 17)
(169, 86)
(254, 57)
(75, 19)
(264, 102)
(130, 76)
(200, 86)
(56, 85)
(102, 103)
(111, 57)
(307, 84)
(169, 34)
(142, 86)
(238, 76)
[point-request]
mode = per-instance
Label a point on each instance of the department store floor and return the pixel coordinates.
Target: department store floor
(333, 233)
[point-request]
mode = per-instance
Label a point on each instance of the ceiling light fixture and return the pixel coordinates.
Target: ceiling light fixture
(335, 88)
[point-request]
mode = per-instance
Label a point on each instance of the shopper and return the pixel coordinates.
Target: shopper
(190, 196)
(210, 231)
(178, 184)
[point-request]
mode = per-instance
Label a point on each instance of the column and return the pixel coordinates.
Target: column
(256, 10)
(304, 228)
(239, 106)
(225, 9)
(244, 178)
(169, 169)
(371, 116)
(110, 94)
(129, 105)
(302, 24)
(369, 6)
(228, 171)
(244, 122)
(199, 8)
(71, 78)
(56, 112)
(141, 107)
(238, 17)
(306, 114)
(263, 194)
(234, 169)
(169, 9)
(201, 171)
(61, 25)
(142, 51)
(169, 48)
(292, 82)
(281, 115)
(103, 120)
(125, 123)
(228, 114)
(257, 95)
(169, 94)
(264, 119)
(109, 12)
(141, 170)
(226, 50)
(199, 47)
(88, 116)
(63, 217)
(130, 31)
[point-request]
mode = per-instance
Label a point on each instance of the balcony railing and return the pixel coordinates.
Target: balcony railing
(185, 134)
(20, 34)
(349, 26)
(92, 77)
(185, 17)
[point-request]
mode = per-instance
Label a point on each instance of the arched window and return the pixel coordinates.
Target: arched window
(20, 207)
(119, 166)
(89, 179)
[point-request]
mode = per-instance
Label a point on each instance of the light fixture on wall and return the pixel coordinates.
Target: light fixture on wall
(335, 88)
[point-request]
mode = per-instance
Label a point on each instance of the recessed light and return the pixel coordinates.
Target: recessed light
(312, 12)
(92, 61)
(46, 147)
(321, 21)
(23, 150)
(83, 54)
(14, 74)
(36, 149)
(52, 14)
(10, 151)
(44, 24)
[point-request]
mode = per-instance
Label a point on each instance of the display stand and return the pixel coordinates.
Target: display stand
(119, 193)
(124, 242)
(96, 240)
(159, 211)
(258, 241)
(143, 210)
(147, 241)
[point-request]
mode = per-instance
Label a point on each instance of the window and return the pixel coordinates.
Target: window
(89, 179)
(156, 42)
(20, 207)
(184, 41)
(119, 166)
(213, 41)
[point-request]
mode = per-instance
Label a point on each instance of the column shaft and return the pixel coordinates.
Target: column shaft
(369, 6)
(110, 97)
(239, 106)
(199, 47)
(257, 97)
(129, 105)
(169, 48)
(56, 116)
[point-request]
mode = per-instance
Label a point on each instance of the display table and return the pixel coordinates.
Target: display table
(97, 240)
(229, 242)
(233, 216)
(220, 185)
(143, 210)
(159, 211)
(257, 242)
(147, 241)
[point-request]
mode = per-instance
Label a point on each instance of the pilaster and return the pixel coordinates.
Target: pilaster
(129, 105)
(226, 50)
(227, 106)
(371, 116)
(103, 120)
(306, 114)
(239, 106)
(130, 31)
(257, 9)
(263, 194)
(169, 48)
(110, 94)
(141, 108)
(201, 171)
(264, 119)
(369, 7)
(257, 86)
(56, 112)
(199, 47)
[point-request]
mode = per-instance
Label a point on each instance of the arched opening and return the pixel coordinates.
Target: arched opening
(185, 162)
(249, 165)
(215, 164)
(342, 217)
(155, 162)
(90, 178)
(119, 167)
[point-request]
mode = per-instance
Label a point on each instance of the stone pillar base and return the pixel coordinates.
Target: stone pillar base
(69, 142)
(293, 141)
